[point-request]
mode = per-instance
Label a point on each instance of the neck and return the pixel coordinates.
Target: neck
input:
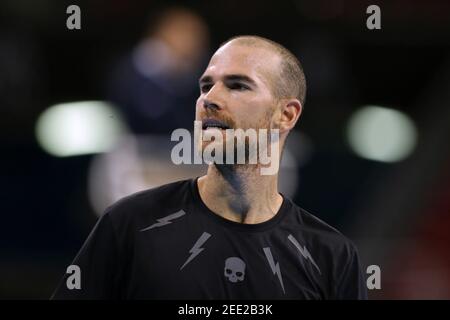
(240, 193)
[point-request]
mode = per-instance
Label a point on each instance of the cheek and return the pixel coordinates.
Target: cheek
(259, 112)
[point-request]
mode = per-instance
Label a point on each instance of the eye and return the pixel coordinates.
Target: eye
(205, 87)
(238, 86)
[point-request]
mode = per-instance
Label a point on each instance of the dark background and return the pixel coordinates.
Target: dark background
(398, 214)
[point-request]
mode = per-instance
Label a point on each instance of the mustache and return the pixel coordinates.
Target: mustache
(226, 120)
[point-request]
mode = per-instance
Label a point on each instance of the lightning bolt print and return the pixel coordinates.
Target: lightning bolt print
(166, 220)
(274, 266)
(197, 248)
(303, 251)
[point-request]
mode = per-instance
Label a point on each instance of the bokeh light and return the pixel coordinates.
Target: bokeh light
(381, 134)
(77, 128)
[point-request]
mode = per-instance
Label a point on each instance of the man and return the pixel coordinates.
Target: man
(229, 234)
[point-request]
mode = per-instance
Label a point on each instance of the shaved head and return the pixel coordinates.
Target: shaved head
(289, 80)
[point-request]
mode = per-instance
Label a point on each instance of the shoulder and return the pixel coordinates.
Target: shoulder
(150, 203)
(323, 236)
(336, 255)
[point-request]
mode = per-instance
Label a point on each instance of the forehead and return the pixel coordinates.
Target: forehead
(256, 62)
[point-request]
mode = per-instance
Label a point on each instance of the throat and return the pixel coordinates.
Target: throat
(237, 196)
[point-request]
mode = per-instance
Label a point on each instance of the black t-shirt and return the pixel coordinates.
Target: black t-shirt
(164, 243)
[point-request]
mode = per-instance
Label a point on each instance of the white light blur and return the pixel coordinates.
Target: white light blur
(381, 134)
(79, 128)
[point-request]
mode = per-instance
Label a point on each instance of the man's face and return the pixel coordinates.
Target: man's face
(236, 88)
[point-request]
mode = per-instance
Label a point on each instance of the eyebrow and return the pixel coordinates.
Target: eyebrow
(230, 77)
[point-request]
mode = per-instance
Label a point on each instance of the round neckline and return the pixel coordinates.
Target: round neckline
(248, 227)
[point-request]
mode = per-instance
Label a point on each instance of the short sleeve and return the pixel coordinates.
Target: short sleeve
(351, 284)
(99, 265)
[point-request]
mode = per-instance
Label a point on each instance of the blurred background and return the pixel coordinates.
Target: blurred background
(86, 117)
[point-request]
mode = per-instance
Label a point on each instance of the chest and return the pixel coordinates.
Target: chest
(217, 264)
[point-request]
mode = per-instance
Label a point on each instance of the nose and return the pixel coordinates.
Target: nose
(210, 106)
(212, 100)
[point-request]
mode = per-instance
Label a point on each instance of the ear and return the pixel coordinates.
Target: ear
(290, 112)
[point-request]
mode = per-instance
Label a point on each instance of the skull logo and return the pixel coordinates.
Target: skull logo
(234, 269)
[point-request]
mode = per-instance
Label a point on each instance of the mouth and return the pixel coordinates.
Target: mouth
(213, 123)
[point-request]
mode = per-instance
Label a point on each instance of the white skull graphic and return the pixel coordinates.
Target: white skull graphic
(234, 269)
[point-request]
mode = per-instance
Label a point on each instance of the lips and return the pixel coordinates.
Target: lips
(213, 123)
